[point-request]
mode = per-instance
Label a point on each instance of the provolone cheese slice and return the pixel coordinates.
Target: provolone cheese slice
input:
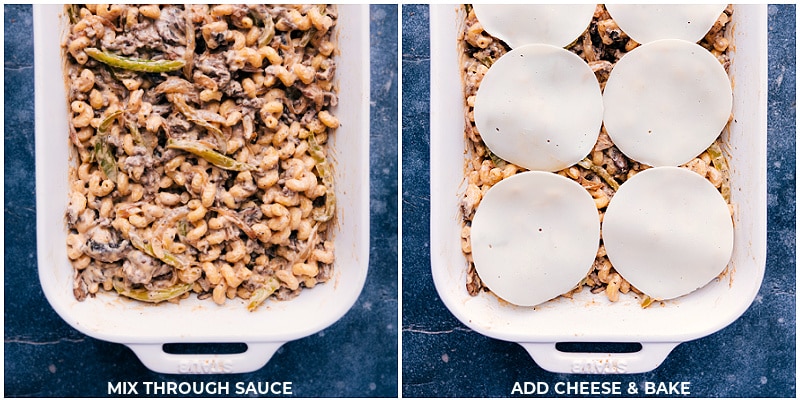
(518, 25)
(645, 23)
(666, 102)
(540, 107)
(668, 232)
(534, 237)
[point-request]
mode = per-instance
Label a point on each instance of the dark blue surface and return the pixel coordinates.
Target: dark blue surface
(753, 357)
(44, 357)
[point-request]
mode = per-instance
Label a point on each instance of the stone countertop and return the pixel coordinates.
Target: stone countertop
(753, 357)
(45, 357)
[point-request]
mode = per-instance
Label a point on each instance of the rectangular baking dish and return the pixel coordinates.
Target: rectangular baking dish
(145, 327)
(588, 317)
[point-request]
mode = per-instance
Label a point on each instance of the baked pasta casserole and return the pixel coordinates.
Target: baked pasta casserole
(604, 169)
(199, 145)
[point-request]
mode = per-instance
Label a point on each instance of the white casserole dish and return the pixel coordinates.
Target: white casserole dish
(145, 327)
(588, 317)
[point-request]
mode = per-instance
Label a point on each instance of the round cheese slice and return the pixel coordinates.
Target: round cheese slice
(666, 102)
(668, 232)
(518, 25)
(534, 237)
(645, 23)
(540, 107)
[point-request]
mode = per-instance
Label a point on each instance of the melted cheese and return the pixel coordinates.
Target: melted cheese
(666, 102)
(540, 107)
(645, 23)
(518, 25)
(534, 237)
(668, 232)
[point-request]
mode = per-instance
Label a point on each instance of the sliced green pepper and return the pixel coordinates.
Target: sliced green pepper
(600, 171)
(207, 153)
(262, 293)
(269, 31)
(487, 61)
(183, 228)
(107, 121)
(306, 38)
(194, 116)
(73, 13)
(152, 296)
(138, 139)
(498, 162)
(134, 64)
(105, 158)
(166, 256)
(719, 162)
(324, 172)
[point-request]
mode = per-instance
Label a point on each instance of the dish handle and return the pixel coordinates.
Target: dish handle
(156, 359)
(547, 356)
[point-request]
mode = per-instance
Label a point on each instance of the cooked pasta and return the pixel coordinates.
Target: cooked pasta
(200, 160)
(605, 168)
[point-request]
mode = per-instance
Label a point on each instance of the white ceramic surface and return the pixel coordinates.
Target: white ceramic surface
(587, 317)
(145, 327)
